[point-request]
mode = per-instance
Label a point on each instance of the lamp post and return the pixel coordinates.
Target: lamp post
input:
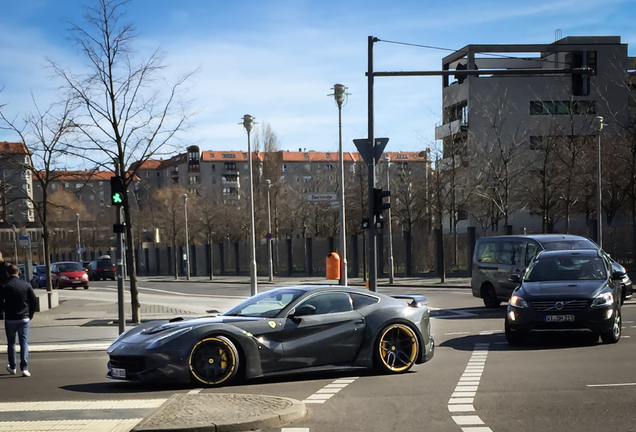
(79, 240)
(390, 232)
(248, 123)
(340, 94)
(598, 125)
(187, 240)
(270, 265)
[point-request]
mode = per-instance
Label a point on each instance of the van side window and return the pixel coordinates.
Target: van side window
(511, 252)
(487, 252)
(531, 252)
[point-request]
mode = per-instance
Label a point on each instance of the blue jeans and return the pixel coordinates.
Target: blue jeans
(22, 329)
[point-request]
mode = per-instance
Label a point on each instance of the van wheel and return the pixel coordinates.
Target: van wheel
(490, 297)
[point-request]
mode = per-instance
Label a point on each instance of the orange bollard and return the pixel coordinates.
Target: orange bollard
(333, 266)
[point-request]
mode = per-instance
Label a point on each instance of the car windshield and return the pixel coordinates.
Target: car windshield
(559, 268)
(40, 269)
(569, 245)
(265, 305)
(70, 267)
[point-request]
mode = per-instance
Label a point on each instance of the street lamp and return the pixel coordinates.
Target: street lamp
(248, 123)
(79, 241)
(270, 266)
(187, 240)
(340, 95)
(390, 232)
(598, 125)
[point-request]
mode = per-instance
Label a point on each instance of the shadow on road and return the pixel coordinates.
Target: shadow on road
(469, 313)
(536, 341)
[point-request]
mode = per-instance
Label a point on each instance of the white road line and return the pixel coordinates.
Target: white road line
(81, 405)
(294, 430)
(123, 425)
(611, 385)
(195, 391)
(329, 390)
(63, 347)
(462, 399)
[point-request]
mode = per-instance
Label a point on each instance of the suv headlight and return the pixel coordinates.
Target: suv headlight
(517, 301)
(603, 299)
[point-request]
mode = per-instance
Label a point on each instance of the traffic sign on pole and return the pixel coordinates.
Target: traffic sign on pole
(322, 197)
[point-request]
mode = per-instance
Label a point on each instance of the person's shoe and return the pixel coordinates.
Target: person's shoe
(11, 371)
(26, 373)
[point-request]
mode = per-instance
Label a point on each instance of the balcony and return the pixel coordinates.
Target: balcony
(449, 129)
(231, 181)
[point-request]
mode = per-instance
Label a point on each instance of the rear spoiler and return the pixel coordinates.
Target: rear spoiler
(416, 300)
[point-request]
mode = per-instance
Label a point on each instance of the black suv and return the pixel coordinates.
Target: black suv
(103, 268)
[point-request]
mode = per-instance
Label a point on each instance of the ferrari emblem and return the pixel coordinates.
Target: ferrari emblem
(272, 324)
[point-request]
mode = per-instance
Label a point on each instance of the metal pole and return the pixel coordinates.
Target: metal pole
(120, 265)
(15, 241)
(599, 206)
(79, 240)
(373, 253)
(270, 265)
(247, 123)
(187, 240)
(390, 232)
(339, 95)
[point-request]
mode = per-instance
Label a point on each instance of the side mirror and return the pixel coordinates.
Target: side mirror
(304, 310)
(618, 275)
(514, 278)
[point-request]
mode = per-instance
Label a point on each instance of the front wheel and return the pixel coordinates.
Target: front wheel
(396, 349)
(490, 297)
(614, 335)
(214, 361)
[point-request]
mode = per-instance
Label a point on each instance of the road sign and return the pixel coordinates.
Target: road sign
(322, 197)
(369, 152)
(268, 236)
(24, 241)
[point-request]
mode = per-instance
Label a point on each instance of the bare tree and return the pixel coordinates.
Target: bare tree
(126, 118)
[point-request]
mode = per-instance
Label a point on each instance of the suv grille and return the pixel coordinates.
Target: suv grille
(132, 364)
(566, 305)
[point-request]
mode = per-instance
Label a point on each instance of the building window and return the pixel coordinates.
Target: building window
(213, 167)
(307, 179)
(246, 167)
(228, 156)
(193, 180)
(213, 179)
(193, 156)
(284, 167)
(329, 167)
(66, 185)
(577, 107)
(230, 166)
(78, 186)
(52, 185)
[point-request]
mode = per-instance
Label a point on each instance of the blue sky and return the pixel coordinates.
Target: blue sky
(278, 60)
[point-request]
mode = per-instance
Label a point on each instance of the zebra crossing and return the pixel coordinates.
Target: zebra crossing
(75, 416)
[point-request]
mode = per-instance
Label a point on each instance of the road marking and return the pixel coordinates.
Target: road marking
(462, 399)
(123, 425)
(195, 391)
(329, 390)
(63, 347)
(294, 430)
(611, 385)
(80, 405)
(456, 333)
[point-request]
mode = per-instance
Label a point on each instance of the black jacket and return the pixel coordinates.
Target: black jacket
(17, 299)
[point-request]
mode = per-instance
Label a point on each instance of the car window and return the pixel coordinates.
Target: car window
(569, 244)
(561, 268)
(510, 252)
(104, 264)
(362, 300)
(331, 302)
(266, 304)
(487, 252)
(531, 252)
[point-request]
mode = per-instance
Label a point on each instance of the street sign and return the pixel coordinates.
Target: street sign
(367, 151)
(322, 197)
(268, 236)
(24, 241)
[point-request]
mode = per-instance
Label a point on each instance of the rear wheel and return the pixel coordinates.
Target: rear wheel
(396, 349)
(214, 361)
(614, 335)
(490, 297)
(515, 337)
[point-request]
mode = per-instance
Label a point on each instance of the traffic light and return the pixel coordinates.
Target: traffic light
(117, 190)
(378, 201)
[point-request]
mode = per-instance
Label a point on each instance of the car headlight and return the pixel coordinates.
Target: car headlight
(517, 301)
(603, 299)
(43, 277)
(84, 277)
(64, 277)
(167, 337)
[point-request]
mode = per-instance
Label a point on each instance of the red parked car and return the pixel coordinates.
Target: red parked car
(68, 274)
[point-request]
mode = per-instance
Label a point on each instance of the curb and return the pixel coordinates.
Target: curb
(222, 412)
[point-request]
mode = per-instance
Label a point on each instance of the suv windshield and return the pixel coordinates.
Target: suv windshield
(559, 268)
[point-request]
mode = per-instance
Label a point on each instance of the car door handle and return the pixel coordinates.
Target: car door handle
(360, 321)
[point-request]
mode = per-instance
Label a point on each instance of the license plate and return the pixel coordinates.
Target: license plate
(118, 373)
(559, 318)
(77, 281)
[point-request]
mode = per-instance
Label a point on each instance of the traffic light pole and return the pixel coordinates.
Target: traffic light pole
(120, 265)
(371, 244)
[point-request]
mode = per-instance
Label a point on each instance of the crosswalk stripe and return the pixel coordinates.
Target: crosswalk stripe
(62, 347)
(81, 405)
(115, 425)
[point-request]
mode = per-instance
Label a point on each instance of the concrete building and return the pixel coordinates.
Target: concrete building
(544, 91)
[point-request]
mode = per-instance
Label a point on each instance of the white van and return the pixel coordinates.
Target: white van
(496, 258)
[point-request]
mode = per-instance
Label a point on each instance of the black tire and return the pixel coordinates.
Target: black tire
(396, 349)
(86, 287)
(214, 361)
(112, 278)
(490, 297)
(515, 337)
(613, 336)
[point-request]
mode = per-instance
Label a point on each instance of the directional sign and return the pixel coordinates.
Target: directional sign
(322, 197)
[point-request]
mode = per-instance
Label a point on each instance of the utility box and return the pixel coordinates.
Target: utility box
(333, 266)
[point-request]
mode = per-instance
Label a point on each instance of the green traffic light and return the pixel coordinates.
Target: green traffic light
(117, 198)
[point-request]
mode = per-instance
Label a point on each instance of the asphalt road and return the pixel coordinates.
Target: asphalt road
(560, 382)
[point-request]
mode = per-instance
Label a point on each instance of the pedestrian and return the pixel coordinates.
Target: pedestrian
(18, 303)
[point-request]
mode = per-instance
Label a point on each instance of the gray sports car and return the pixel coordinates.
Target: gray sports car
(284, 329)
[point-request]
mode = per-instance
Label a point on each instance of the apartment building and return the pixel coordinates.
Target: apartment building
(524, 95)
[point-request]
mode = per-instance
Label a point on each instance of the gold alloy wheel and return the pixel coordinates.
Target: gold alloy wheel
(214, 360)
(397, 348)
